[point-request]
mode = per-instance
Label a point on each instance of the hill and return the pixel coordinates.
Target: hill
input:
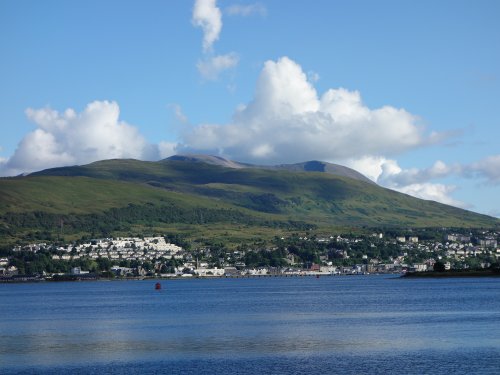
(208, 197)
(309, 166)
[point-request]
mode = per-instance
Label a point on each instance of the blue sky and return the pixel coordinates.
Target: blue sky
(405, 92)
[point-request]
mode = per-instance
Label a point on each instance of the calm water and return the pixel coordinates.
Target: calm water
(345, 325)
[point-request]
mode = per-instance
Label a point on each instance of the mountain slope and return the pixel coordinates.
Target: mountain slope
(117, 196)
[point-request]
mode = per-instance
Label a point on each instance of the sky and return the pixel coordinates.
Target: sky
(406, 92)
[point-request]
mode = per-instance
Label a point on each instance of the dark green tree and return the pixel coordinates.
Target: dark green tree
(439, 266)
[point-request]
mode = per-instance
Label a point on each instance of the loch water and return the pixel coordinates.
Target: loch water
(270, 325)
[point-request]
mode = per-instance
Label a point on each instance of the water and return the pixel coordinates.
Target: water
(345, 325)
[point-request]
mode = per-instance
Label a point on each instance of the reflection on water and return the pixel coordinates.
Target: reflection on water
(276, 321)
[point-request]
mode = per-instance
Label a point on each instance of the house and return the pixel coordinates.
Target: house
(315, 267)
(419, 267)
(210, 272)
(456, 238)
(258, 271)
(231, 271)
(122, 271)
(488, 242)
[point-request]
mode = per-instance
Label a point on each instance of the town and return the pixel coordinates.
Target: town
(159, 256)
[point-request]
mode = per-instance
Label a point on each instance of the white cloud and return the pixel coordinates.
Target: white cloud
(388, 173)
(369, 166)
(179, 115)
(167, 149)
(246, 10)
(282, 90)
(77, 138)
(312, 76)
(414, 182)
(290, 122)
(435, 192)
(211, 67)
(398, 177)
(488, 168)
(208, 16)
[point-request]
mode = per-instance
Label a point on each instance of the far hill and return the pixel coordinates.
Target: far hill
(308, 166)
(209, 197)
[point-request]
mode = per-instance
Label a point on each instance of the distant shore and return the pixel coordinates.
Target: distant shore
(453, 273)
(93, 277)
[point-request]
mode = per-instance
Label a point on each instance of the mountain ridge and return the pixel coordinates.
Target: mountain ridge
(307, 166)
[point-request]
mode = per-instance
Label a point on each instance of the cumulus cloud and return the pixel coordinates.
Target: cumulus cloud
(208, 16)
(288, 121)
(246, 10)
(435, 192)
(370, 166)
(388, 172)
(393, 175)
(413, 181)
(77, 138)
(416, 182)
(211, 67)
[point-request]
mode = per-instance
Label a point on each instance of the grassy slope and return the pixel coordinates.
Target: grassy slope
(261, 196)
(70, 194)
(306, 196)
(70, 198)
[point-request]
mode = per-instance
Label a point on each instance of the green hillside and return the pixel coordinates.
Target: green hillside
(115, 197)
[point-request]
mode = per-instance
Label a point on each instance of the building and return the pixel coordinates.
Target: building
(456, 238)
(210, 272)
(488, 242)
(78, 271)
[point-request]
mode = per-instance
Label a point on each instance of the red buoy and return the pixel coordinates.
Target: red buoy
(157, 286)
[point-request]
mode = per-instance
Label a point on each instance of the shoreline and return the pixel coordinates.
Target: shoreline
(453, 273)
(73, 278)
(33, 279)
